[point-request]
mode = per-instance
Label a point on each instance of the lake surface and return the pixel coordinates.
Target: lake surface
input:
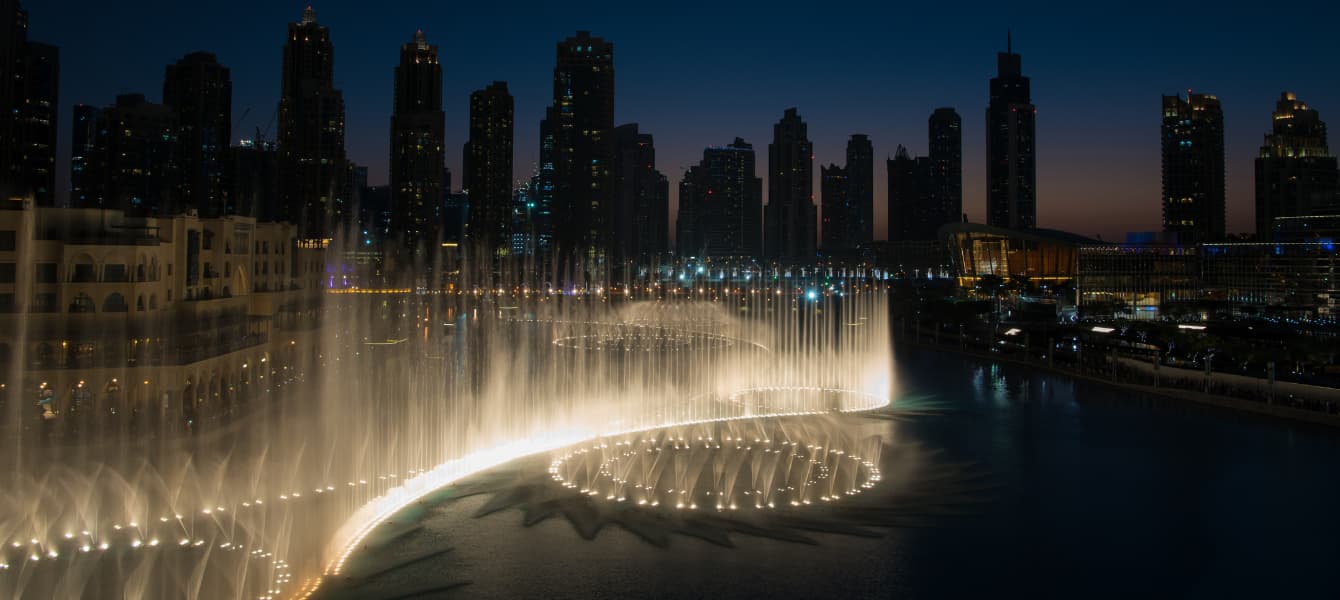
(1093, 493)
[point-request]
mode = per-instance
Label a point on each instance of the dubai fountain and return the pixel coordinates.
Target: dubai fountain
(409, 393)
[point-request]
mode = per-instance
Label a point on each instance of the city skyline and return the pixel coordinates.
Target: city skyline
(661, 77)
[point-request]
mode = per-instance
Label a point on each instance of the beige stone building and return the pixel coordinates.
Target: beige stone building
(106, 314)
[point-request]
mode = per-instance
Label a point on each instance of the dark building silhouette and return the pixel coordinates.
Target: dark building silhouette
(29, 103)
(313, 170)
(721, 205)
(848, 197)
(914, 214)
(1193, 168)
(253, 180)
(581, 124)
(488, 170)
(837, 215)
(1011, 165)
(946, 164)
(136, 164)
(418, 146)
(82, 139)
(789, 218)
(1296, 175)
(201, 91)
(642, 205)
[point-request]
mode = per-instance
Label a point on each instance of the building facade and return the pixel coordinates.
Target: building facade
(1296, 175)
(1193, 168)
(177, 316)
(136, 159)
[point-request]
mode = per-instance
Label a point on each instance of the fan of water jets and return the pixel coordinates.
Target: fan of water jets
(401, 395)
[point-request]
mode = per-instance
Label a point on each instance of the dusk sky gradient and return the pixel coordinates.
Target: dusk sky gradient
(697, 74)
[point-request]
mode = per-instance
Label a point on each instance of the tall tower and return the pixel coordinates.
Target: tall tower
(643, 202)
(1011, 165)
(418, 144)
(201, 91)
(946, 164)
(82, 140)
(838, 211)
(861, 188)
(312, 164)
(136, 164)
(29, 90)
(1193, 168)
(1296, 174)
(488, 169)
(789, 218)
(581, 124)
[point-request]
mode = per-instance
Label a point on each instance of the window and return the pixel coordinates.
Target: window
(6, 272)
(82, 304)
(83, 273)
(44, 302)
(46, 273)
(114, 272)
(115, 303)
(8, 241)
(7, 303)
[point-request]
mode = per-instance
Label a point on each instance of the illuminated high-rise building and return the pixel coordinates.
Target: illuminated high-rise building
(1011, 161)
(582, 123)
(313, 170)
(1193, 168)
(82, 138)
(136, 159)
(418, 144)
(1296, 174)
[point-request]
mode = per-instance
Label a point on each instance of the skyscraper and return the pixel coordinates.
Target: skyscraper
(312, 164)
(721, 205)
(581, 124)
(418, 144)
(1296, 175)
(1011, 165)
(914, 214)
(789, 218)
(643, 202)
(136, 164)
(253, 180)
(946, 164)
(488, 169)
(837, 215)
(82, 138)
(1193, 168)
(29, 90)
(848, 197)
(201, 91)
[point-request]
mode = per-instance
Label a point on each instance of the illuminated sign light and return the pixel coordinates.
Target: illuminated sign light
(1192, 327)
(1013, 331)
(1098, 329)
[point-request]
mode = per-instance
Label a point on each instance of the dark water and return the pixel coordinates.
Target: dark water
(1095, 494)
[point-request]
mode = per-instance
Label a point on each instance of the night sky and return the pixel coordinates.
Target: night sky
(700, 74)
